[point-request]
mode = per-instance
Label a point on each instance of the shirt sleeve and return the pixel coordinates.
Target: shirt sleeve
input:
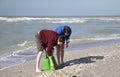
(50, 47)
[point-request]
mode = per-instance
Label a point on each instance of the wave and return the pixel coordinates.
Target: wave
(117, 19)
(61, 19)
(29, 51)
(21, 54)
(46, 19)
(29, 48)
(26, 48)
(99, 38)
(22, 44)
(70, 21)
(9, 61)
(15, 19)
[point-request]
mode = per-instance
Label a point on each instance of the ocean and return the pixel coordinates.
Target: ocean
(17, 42)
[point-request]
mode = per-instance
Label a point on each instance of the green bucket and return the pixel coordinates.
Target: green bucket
(54, 61)
(46, 65)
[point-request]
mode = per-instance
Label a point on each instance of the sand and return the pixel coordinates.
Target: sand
(93, 62)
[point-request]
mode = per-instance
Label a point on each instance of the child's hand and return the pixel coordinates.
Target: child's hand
(66, 45)
(67, 42)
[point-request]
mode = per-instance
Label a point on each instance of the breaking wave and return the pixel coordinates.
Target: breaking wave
(61, 19)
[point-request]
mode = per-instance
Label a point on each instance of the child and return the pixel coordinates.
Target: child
(66, 32)
(47, 39)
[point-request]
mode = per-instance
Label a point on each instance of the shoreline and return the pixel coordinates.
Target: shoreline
(16, 58)
(91, 62)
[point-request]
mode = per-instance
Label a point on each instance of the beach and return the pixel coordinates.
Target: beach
(94, 39)
(101, 61)
(93, 52)
(17, 41)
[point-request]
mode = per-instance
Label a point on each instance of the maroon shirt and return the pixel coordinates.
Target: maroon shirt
(49, 38)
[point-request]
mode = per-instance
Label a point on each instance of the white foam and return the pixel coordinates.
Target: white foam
(29, 51)
(109, 37)
(48, 19)
(105, 38)
(69, 21)
(17, 57)
(98, 38)
(10, 62)
(5, 57)
(109, 19)
(15, 19)
(22, 44)
(60, 19)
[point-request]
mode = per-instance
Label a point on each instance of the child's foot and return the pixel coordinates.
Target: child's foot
(61, 66)
(37, 70)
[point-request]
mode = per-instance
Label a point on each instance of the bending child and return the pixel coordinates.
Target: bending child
(66, 32)
(47, 39)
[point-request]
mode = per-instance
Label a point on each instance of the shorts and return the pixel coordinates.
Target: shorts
(40, 45)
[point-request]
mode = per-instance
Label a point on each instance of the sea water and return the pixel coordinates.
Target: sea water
(17, 41)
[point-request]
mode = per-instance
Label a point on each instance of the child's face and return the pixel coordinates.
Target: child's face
(66, 34)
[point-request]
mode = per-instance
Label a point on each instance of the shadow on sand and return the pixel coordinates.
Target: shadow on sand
(89, 59)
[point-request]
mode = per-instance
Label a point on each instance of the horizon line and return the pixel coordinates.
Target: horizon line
(61, 16)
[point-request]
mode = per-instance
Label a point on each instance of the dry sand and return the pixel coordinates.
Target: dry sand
(92, 62)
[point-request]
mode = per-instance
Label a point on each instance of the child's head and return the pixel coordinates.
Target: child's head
(61, 40)
(66, 30)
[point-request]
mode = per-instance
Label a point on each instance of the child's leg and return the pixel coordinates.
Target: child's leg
(51, 62)
(38, 61)
(62, 54)
(40, 48)
(52, 66)
(58, 54)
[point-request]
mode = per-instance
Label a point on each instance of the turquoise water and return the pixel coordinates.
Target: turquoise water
(17, 43)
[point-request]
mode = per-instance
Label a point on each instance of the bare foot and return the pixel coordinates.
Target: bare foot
(37, 70)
